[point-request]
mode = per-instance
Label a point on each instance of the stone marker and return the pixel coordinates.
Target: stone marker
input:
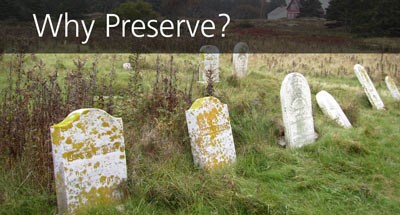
(369, 87)
(297, 111)
(210, 133)
(240, 59)
(89, 160)
(392, 88)
(332, 109)
(209, 61)
(127, 66)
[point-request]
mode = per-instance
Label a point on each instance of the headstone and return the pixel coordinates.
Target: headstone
(127, 66)
(210, 133)
(297, 111)
(240, 59)
(392, 88)
(332, 109)
(209, 62)
(368, 87)
(89, 160)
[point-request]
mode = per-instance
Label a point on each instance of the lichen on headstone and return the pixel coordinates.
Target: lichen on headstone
(210, 134)
(89, 160)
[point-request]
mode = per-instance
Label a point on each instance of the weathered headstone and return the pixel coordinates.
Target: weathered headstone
(297, 111)
(240, 59)
(209, 63)
(210, 133)
(127, 66)
(332, 109)
(368, 87)
(392, 88)
(89, 159)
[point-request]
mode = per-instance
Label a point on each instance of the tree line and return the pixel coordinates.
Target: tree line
(366, 17)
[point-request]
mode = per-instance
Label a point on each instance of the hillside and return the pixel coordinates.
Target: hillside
(353, 171)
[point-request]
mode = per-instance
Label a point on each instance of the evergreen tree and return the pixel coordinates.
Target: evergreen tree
(8, 9)
(379, 18)
(311, 8)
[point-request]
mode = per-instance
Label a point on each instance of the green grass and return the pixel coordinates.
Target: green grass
(353, 171)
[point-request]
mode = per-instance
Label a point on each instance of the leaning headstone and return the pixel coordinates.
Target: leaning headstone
(89, 160)
(240, 59)
(297, 111)
(127, 66)
(210, 133)
(209, 63)
(368, 87)
(392, 88)
(332, 109)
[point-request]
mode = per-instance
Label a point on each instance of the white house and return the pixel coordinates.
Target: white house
(292, 9)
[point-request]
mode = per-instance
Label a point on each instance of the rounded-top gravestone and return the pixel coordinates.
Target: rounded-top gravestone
(394, 91)
(89, 160)
(297, 111)
(368, 87)
(210, 133)
(332, 109)
(209, 63)
(240, 59)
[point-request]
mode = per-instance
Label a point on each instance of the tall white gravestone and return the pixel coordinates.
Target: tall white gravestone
(209, 61)
(332, 109)
(368, 87)
(297, 111)
(392, 88)
(240, 59)
(89, 160)
(210, 133)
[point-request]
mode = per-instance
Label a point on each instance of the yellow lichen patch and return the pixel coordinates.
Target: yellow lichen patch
(94, 131)
(77, 145)
(67, 122)
(105, 124)
(69, 140)
(117, 144)
(198, 103)
(114, 128)
(391, 81)
(96, 165)
(103, 179)
(80, 126)
(96, 196)
(56, 136)
(207, 123)
(114, 137)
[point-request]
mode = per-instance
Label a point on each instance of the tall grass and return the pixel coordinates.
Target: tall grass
(346, 171)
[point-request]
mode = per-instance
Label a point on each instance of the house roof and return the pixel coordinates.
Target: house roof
(293, 1)
(281, 12)
(278, 13)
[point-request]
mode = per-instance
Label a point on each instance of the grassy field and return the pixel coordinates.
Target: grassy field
(355, 171)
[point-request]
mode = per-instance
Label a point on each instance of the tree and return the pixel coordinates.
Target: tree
(136, 10)
(368, 17)
(8, 9)
(311, 8)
